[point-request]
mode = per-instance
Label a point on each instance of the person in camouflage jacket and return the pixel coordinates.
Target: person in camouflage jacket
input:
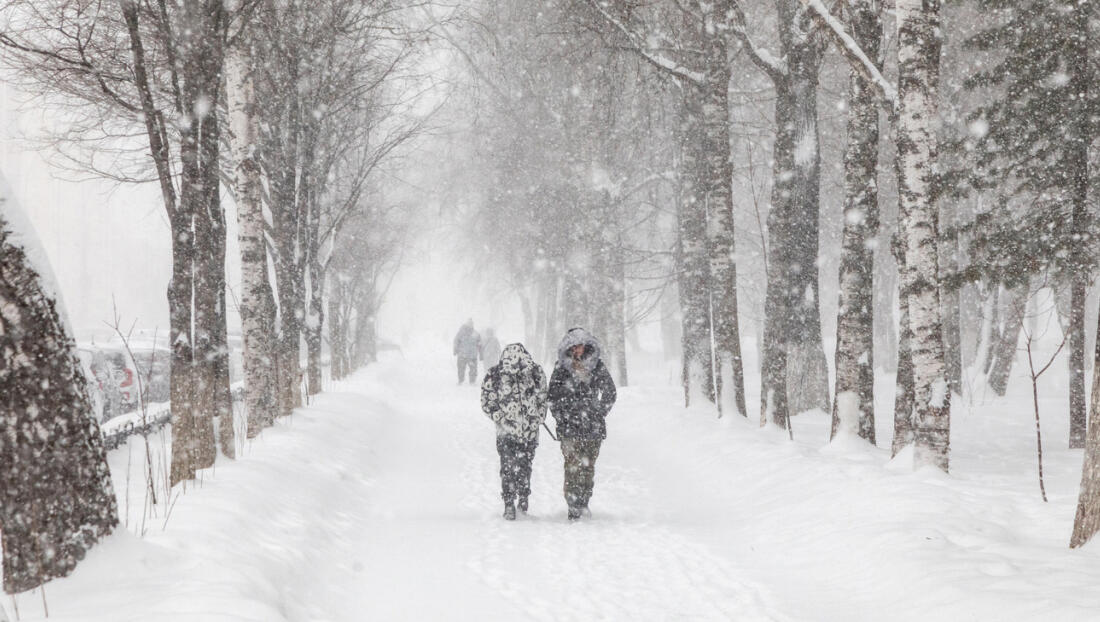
(513, 395)
(581, 394)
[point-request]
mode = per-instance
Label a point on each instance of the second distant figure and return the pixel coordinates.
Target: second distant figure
(466, 348)
(490, 349)
(581, 394)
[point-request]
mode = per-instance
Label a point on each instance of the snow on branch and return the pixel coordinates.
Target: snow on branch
(853, 52)
(776, 68)
(639, 46)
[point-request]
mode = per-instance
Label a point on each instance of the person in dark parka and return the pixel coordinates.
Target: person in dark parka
(466, 347)
(513, 395)
(581, 395)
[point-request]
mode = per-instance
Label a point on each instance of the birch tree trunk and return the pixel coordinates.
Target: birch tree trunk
(1087, 520)
(617, 333)
(1077, 422)
(794, 374)
(885, 296)
(182, 380)
(600, 286)
(854, 403)
(1082, 265)
(282, 165)
(257, 307)
(1004, 350)
(315, 325)
(290, 324)
(950, 294)
(181, 224)
(336, 331)
(718, 193)
(528, 314)
(777, 322)
(694, 265)
(919, 43)
(970, 319)
(315, 311)
(671, 328)
(807, 373)
(288, 278)
(212, 356)
(198, 30)
(56, 496)
(541, 293)
(793, 356)
(904, 391)
(990, 328)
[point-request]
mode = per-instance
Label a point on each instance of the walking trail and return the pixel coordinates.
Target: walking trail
(380, 501)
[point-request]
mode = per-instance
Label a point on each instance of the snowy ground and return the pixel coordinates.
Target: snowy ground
(380, 502)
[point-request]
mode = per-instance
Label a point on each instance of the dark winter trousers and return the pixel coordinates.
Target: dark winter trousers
(463, 363)
(580, 469)
(515, 467)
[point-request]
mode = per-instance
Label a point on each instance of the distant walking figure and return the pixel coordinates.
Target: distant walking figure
(513, 394)
(581, 395)
(490, 349)
(467, 344)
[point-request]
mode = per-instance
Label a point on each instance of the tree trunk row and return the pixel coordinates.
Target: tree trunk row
(854, 404)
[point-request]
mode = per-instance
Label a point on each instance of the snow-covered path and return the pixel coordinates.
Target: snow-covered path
(433, 545)
(380, 501)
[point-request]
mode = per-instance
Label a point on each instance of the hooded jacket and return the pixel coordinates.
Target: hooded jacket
(581, 393)
(513, 394)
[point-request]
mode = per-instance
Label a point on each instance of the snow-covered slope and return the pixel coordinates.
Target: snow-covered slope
(380, 502)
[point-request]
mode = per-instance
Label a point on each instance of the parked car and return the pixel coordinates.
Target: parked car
(118, 381)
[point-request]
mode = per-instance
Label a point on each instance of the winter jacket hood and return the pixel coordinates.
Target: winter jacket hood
(513, 394)
(578, 337)
(515, 359)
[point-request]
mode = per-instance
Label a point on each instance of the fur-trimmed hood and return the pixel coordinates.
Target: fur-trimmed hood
(576, 337)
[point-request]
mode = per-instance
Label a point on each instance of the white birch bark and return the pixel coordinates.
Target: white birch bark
(919, 43)
(256, 302)
(855, 378)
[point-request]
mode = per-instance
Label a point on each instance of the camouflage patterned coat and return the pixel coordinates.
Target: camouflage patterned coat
(513, 394)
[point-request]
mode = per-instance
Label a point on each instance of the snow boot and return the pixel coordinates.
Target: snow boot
(522, 504)
(509, 511)
(574, 513)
